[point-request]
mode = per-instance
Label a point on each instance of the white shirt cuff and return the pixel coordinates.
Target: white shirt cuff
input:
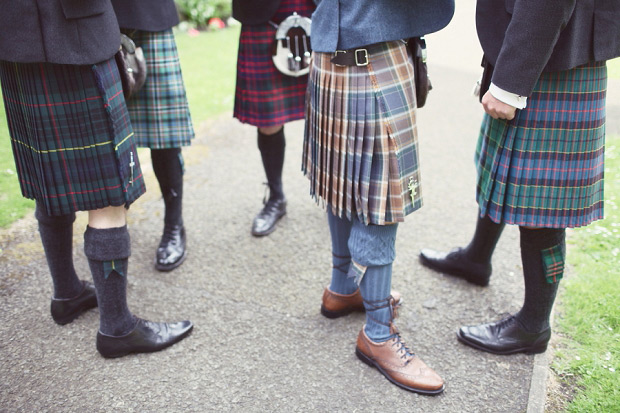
(508, 98)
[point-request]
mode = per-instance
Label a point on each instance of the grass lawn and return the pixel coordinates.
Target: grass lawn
(12, 205)
(208, 62)
(588, 311)
(588, 308)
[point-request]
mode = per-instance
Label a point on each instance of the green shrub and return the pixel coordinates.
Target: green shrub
(198, 12)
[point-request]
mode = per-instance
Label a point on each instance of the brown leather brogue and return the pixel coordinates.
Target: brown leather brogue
(336, 305)
(397, 363)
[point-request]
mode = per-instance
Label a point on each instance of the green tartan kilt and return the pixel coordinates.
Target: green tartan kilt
(159, 111)
(545, 167)
(71, 135)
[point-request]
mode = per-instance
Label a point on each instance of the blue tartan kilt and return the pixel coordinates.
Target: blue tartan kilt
(545, 167)
(71, 135)
(159, 111)
(360, 148)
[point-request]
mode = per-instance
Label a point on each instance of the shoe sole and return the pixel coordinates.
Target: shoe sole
(454, 272)
(526, 350)
(170, 267)
(371, 363)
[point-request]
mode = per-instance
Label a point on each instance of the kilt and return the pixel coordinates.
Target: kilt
(265, 97)
(360, 147)
(545, 167)
(159, 111)
(71, 135)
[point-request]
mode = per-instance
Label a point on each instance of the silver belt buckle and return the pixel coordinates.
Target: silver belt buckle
(364, 55)
(336, 55)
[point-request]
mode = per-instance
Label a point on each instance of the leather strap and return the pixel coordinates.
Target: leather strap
(354, 57)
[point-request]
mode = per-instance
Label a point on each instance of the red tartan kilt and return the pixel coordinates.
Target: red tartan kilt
(265, 97)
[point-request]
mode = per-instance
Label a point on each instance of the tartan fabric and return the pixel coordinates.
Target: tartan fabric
(545, 167)
(263, 96)
(360, 147)
(553, 263)
(71, 135)
(159, 111)
(113, 265)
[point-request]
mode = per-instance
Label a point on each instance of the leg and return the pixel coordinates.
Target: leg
(107, 247)
(271, 144)
(71, 296)
(543, 254)
(379, 343)
(342, 296)
(473, 263)
(168, 168)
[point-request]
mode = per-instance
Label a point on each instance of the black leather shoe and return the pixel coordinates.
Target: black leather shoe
(172, 249)
(265, 221)
(504, 337)
(65, 310)
(146, 337)
(455, 263)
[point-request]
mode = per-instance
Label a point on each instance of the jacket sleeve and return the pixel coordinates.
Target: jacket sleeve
(530, 38)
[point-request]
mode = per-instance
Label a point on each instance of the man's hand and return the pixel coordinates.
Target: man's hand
(496, 108)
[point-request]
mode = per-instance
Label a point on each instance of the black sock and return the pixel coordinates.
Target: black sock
(543, 255)
(107, 251)
(482, 245)
(168, 168)
(272, 148)
(57, 239)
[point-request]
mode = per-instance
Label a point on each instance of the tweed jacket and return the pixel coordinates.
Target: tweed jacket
(346, 24)
(523, 38)
(58, 31)
(147, 15)
(254, 11)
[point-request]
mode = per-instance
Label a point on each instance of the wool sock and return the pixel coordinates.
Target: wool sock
(107, 251)
(373, 247)
(340, 229)
(57, 239)
(168, 168)
(481, 247)
(543, 253)
(376, 287)
(272, 149)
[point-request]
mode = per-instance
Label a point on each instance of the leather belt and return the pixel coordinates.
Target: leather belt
(355, 57)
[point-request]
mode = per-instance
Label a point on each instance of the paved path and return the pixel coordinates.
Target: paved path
(260, 343)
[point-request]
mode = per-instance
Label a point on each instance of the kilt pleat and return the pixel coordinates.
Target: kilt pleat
(545, 167)
(360, 145)
(263, 96)
(159, 111)
(71, 135)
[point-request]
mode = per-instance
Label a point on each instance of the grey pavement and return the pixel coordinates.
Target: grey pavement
(260, 343)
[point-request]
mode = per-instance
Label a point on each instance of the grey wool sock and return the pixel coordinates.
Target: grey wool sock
(57, 239)
(107, 251)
